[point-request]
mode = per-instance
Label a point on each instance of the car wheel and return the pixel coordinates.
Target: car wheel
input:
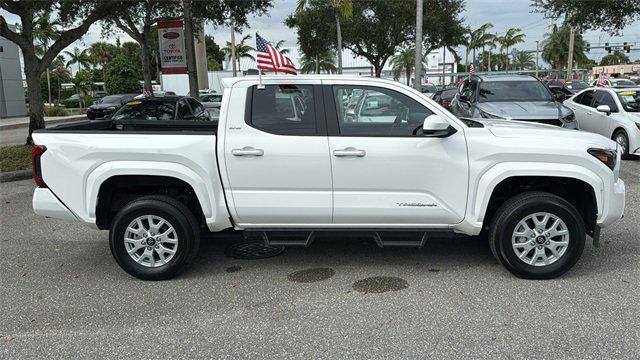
(537, 235)
(154, 237)
(623, 140)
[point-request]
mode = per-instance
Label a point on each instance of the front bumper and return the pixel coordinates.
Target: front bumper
(46, 204)
(613, 208)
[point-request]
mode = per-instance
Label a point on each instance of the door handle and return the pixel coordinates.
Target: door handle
(349, 152)
(247, 151)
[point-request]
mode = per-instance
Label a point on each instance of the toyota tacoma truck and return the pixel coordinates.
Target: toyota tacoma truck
(292, 156)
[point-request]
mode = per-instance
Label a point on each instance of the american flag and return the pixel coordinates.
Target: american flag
(270, 59)
(472, 70)
(602, 78)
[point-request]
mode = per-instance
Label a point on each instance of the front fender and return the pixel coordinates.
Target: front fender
(481, 191)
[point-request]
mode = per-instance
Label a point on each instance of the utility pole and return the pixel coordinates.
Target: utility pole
(570, 57)
(537, 49)
(339, 33)
(201, 57)
(233, 48)
(444, 62)
(417, 82)
(189, 50)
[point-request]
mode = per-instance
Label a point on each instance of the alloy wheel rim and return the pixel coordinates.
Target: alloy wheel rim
(151, 241)
(540, 239)
(622, 142)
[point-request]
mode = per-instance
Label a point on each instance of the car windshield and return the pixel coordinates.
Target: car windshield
(448, 94)
(622, 82)
(577, 85)
(111, 99)
(491, 91)
(210, 98)
(630, 100)
(146, 110)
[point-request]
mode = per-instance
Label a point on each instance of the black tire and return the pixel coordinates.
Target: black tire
(178, 215)
(625, 153)
(517, 208)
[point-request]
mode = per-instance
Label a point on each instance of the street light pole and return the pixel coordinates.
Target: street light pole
(570, 56)
(233, 48)
(417, 82)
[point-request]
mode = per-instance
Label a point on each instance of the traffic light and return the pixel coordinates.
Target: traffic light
(588, 47)
(627, 48)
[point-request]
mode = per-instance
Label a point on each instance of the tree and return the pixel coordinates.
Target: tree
(314, 27)
(404, 61)
(60, 73)
(512, 37)
(523, 60)
(80, 57)
(498, 61)
(479, 38)
(377, 28)
(121, 76)
(607, 15)
(279, 45)
(318, 64)
(45, 31)
(75, 18)
(137, 23)
(215, 56)
(243, 50)
(82, 85)
(555, 47)
(101, 52)
(615, 58)
(341, 9)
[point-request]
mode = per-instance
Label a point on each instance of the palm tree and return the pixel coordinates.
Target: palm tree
(615, 58)
(82, 84)
(60, 71)
(479, 38)
(324, 62)
(343, 10)
(555, 47)
(280, 47)
(242, 49)
(523, 60)
(45, 30)
(79, 57)
(512, 37)
(404, 60)
(101, 52)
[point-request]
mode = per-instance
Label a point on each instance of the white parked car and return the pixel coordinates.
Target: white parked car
(610, 112)
(285, 158)
(614, 82)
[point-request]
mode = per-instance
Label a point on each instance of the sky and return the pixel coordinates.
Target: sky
(503, 14)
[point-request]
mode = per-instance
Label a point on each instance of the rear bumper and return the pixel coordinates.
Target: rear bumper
(46, 204)
(614, 207)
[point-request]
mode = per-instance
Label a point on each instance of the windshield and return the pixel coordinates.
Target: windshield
(630, 100)
(146, 110)
(111, 99)
(513, 91)
(622, 82)
(577, 85)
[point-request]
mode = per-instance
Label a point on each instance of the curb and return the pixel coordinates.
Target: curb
(46, 123)
(15, 175)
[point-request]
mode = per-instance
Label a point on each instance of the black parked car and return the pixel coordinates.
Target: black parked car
(107, 105)
(162, 108)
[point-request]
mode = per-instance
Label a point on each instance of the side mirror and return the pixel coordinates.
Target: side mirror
(436, 126)
(604, 109)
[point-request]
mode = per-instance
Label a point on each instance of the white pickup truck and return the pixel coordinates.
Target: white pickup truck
(299, 155)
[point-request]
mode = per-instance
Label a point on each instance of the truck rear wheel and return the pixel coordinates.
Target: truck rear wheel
(154, 237)
(537, 235)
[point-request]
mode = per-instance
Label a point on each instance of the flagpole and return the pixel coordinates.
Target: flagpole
(260, 85)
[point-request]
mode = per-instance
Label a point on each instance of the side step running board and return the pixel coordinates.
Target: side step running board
(283, 238)
(386, 240)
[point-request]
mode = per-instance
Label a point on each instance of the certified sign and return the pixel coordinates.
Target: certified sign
(171, 42)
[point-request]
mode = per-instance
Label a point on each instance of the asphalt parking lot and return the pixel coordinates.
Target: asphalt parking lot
(62, 295)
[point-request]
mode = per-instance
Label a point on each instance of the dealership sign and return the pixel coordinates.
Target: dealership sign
(171, 42)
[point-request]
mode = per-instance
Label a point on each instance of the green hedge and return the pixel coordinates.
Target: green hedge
(68, 103)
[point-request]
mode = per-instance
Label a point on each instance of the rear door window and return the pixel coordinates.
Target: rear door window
(283, 109)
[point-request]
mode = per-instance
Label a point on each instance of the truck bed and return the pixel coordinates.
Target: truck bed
(135, 126)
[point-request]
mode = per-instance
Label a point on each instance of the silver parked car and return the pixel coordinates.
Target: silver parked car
(510, 97)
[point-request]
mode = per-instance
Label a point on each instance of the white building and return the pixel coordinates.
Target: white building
(11, 84)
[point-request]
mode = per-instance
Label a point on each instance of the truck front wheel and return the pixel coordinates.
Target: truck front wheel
(154, 237)
(537, 235)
